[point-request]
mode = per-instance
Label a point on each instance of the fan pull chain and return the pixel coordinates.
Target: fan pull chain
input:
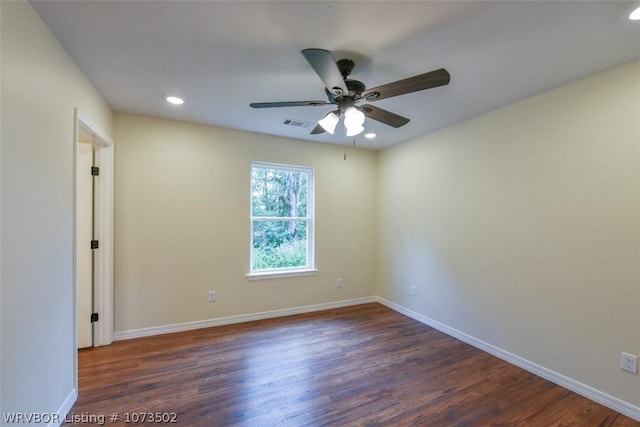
(345, 149)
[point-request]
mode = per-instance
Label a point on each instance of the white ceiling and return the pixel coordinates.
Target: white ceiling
(221, 55)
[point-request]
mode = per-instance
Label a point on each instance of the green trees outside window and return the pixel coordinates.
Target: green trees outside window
(281, 216)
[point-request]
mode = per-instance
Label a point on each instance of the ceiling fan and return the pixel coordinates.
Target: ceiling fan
(346, 93)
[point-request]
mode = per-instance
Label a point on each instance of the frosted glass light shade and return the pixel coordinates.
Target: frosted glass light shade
(329, 122)
(353, 117)
(353, 120)
(354, 130)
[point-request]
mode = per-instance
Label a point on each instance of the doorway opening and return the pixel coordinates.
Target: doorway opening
(93, 220)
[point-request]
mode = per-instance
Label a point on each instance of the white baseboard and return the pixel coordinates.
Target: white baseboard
(598, 396)
(64, 409)
(187, 326)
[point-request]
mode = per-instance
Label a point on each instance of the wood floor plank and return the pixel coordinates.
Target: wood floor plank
(364, 365)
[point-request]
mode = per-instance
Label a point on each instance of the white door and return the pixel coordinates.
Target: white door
(84, 235)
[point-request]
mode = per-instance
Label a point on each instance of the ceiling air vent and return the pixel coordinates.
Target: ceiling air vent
(298, 123)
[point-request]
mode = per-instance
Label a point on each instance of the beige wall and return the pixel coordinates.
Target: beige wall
(182, 221)
(41, 85)
(521, 228)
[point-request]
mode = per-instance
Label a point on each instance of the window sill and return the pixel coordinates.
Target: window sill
(279, 274)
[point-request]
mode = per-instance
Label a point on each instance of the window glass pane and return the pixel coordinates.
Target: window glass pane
(279, 192)
(279, 244)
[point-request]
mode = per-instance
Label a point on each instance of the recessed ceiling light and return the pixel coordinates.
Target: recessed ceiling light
(635, 15)
(370, 135)
(175, 100)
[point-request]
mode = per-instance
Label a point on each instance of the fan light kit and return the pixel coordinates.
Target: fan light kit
(346, 93)
(635, 15)
(353, 121)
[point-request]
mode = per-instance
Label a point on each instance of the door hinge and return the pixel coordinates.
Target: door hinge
(94, 317)
(94, 244)
(95, 170)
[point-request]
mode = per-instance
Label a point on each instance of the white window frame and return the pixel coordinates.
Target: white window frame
(309, 268)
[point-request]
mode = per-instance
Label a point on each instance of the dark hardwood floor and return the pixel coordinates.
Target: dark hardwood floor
(364, 365)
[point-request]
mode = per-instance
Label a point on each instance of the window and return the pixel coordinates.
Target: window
(281, 220)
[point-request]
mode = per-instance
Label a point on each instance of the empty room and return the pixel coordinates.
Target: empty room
(320, 213)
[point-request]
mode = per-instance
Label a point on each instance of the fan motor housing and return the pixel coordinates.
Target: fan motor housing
(355, 89)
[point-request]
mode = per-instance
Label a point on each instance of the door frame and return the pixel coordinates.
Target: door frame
(86, 130)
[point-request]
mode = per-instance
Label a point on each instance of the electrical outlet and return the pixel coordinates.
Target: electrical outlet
(338, 283)
(413, 290)
(212, 296)
(629, 362)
